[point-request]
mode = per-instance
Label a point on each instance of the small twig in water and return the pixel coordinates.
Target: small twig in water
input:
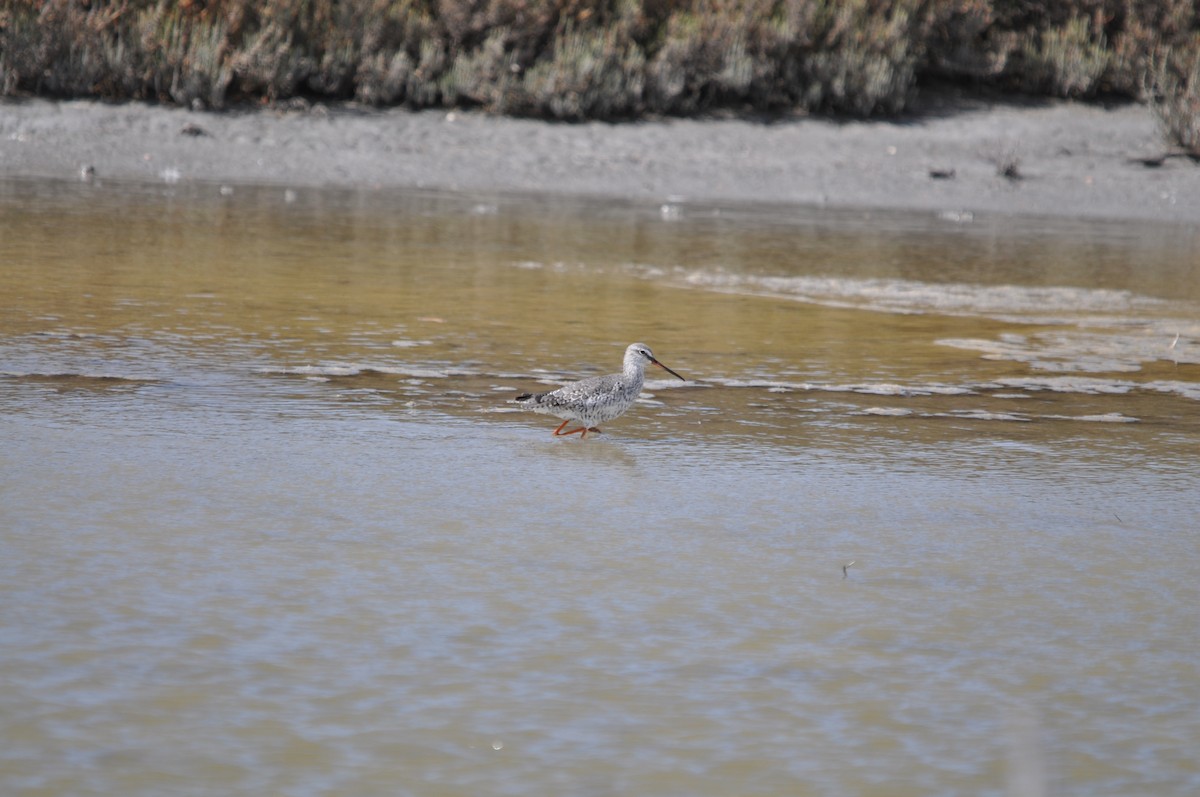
(1118, 517)
(846, 568)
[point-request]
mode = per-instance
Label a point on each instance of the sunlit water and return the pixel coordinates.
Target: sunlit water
(268, 524)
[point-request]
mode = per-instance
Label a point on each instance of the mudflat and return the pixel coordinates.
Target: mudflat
(952, 156)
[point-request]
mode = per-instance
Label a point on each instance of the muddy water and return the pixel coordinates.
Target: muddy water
(270, 527)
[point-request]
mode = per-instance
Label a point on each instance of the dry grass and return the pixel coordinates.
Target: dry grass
(1175, 96)
(570, 59)
(1067, 61)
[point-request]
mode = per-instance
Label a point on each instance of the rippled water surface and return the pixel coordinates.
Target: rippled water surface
(268, 524)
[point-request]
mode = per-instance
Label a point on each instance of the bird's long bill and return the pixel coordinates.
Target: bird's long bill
(668, 370)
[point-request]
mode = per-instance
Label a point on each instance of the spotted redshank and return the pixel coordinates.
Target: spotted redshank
(597, 399)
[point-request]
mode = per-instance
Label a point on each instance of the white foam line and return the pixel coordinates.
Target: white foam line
(983, 415)
(1190, 390)
(670, 384)
(914, 296)
(895, 412)
(1005, 387)
(355, 369)
(1070, 384)
(77, 375)
(1127, 347)
(314, 370)
(988, 415)
(867, 388)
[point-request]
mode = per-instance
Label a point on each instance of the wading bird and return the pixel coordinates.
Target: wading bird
(598, 399)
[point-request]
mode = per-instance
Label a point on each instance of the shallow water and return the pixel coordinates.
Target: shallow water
(270, 527)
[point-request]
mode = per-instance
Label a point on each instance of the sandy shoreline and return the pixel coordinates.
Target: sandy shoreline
(1072, 160)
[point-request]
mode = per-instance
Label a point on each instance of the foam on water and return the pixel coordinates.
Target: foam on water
(1118, 348)
(867, 388)
(1006, 302)
(357, 369)
(95, 376)
(1060, 329)
(998, 389)
(669, 384)
(1096, 386)
(992, 415)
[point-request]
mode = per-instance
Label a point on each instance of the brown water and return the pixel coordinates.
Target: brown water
(268, 525)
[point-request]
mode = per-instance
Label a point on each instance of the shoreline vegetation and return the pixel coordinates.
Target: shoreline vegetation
(610, 60)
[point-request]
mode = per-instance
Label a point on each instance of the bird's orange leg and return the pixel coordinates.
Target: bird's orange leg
(560, 433)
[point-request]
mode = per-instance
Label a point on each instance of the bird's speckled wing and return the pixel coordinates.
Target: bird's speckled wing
(585, 398)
